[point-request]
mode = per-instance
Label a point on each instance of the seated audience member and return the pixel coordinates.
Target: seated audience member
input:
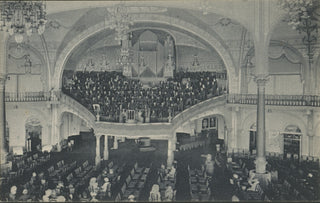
(13, 193)
(235, 198)
(162, 171)
(106, 187)
(47, 195)
(93, 197)
(33, 179)
(61, 199)
(155, 195)
(84, 197)
(274, 175)
(72, 190)
(43, 187)
(131, 198)
(53, 195)
(25, 196)
(172, 172)
(209, 165)
(93, 185)
(253, 182)
(169, 193)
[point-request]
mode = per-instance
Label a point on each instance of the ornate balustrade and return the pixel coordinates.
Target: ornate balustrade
(27, 96)
(278, 100)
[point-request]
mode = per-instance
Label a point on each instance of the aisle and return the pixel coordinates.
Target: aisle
(221, 189)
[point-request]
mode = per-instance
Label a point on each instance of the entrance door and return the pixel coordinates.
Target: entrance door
(291, 146)
(33, 134)
(253, 139)
(291, 141)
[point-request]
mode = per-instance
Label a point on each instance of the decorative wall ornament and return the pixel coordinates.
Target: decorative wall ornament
(19, 17)
(205, 7)
(55, 24)
(225, 22)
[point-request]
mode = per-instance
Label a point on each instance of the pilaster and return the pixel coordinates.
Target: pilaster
(106, 148)
(98, 157)
(115, 143)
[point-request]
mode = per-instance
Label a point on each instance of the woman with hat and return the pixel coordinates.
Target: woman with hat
(155, 195)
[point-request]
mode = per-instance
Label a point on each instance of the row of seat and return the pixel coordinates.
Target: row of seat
(199, 185)
(192, 145)
(79, 177)
(134, 183)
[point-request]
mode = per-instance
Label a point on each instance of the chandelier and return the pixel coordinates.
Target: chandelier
(303, 16)
(19, 17)
(120, 20)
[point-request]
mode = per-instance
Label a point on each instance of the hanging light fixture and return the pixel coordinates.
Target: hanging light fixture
(304, 16)
(22, 17)
(119, 20)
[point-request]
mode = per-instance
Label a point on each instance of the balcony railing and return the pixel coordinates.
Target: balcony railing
(278, 100)
(27, 96)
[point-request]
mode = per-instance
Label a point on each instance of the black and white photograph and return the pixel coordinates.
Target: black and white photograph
(160, 101)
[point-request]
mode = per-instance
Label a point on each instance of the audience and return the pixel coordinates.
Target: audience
(115, 93)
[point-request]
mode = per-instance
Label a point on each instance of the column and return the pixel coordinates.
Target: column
(106, 148)
(115, 143)
(98, 158)
(3, 151)
(171, 149)
(123, 139)
(226, 139)
(261, 131)
(310, 131)
(3, 55)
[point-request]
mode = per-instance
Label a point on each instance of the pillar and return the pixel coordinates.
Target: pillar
(106, 148)
(98, 158)
(310, 131)
(171, 149)
(261, 131)
(115, 143)
(123, 139)
(3, 70)
(4, 151)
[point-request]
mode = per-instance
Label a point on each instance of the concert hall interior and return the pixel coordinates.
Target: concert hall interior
(160, 100)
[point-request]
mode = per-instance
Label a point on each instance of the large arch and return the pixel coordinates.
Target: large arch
(213, 41)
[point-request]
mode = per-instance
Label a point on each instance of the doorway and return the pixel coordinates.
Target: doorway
(253, 139)
(291, 142)
(33, 135)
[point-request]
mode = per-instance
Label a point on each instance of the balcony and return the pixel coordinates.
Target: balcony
(276, 100)
(27, 96)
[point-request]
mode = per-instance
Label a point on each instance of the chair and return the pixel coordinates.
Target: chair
(137, 169)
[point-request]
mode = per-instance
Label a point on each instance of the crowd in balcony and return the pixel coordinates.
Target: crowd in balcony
(114, 92)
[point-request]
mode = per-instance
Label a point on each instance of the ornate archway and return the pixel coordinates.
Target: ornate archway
(211, 38)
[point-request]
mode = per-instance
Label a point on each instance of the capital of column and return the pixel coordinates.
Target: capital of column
(97, 136)
(261, 80)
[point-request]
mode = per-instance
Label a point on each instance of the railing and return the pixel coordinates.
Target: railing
(278, 100)
(27, 96)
